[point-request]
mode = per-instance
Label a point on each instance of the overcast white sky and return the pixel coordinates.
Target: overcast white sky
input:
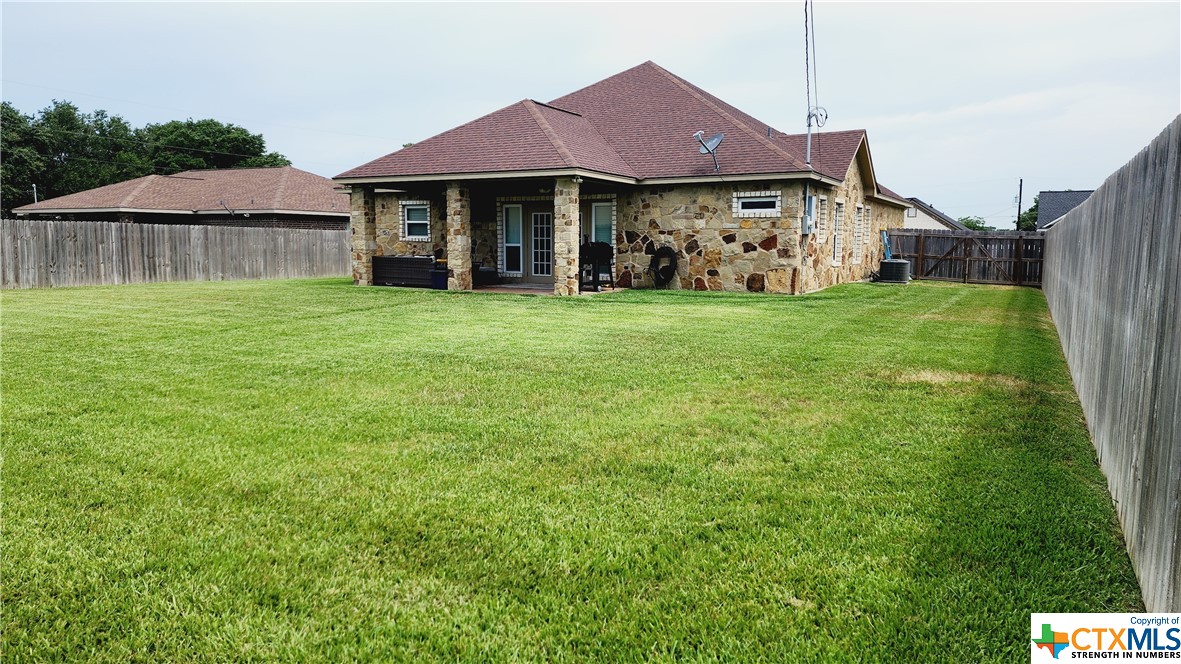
(960, 100)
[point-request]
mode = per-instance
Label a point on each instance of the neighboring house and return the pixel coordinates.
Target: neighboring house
(922, 215)
(272, 197)
(617, 162)
(1052, 205)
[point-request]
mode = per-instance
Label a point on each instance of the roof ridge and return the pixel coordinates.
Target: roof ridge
(556, 108)
(135, 192)
(550, 134)
(721, 111)
(634, 172)
(281, 189)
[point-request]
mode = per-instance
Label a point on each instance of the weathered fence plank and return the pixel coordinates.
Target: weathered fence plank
(1113, 284)
(49, 253)
(970, 257)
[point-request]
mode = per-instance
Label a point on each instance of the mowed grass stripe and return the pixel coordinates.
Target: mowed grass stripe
(305, 470)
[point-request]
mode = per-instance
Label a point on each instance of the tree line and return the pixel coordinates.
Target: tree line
(62, 150)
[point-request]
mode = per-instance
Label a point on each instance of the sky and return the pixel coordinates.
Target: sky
(960, 100)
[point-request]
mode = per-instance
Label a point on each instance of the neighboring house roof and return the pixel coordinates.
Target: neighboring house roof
(1052, 205)
(890, 193)
(285, 189)
(938, 216)
(635, 125)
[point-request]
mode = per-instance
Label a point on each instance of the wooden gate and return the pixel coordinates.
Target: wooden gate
(976, 257)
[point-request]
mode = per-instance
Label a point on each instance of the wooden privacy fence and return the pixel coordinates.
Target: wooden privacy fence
(45, 253)
(1113, 284)
(971, 257)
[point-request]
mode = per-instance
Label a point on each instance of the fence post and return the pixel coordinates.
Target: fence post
(968, 249)
(1020, 265)
(920, 262)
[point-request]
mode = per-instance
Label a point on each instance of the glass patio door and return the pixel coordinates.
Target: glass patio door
(542, 244)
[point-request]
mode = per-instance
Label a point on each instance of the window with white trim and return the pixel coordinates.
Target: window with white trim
(416, 221)
(822, 220)
(512, 238)
(912, 212)
(838, 233)
(757, 204)
(858, 233)
(868, 223)
(600, 226)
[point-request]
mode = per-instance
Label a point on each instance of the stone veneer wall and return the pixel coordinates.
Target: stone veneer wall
(361, 222)
(388, 213)
(567, 232)
(716, 251)
(819, 269)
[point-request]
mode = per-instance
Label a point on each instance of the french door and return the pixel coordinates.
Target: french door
(541, 243)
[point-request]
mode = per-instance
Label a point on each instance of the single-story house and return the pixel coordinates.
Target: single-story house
(924, 215)
(621, 163)
(284, 197)
(1053, 205)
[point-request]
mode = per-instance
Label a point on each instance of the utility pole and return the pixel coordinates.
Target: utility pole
(1020, 186)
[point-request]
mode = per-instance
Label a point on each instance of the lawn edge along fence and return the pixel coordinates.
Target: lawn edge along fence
(1113, 284)
(38, 253)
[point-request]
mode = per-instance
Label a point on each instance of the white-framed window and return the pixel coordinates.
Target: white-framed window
(600, 223)
(838, 232)
(912, 212)
(416, 221)
(858, 233)
(757, 204)
(512, 238)
(868, 223)
(822, 220)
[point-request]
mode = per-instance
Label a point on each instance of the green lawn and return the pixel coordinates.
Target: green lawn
(306, 470)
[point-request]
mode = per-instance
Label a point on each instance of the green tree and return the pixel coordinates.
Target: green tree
(20, 160)
(204, 144)
(975, 223)
(1027, 221)
(63, 150)
(83, 151)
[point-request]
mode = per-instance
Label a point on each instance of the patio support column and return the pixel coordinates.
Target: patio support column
(363, 224)
(459, 238)
(567, 228)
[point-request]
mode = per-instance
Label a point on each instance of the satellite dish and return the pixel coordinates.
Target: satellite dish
(710, 146)
(707, 147)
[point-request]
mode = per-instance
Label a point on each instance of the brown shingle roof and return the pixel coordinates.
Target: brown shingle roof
(246, 189)
(636, 124)
(650, 115)
(832, 151)
(525, 136)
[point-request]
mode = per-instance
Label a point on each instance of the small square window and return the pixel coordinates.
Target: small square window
(757, 204)
(416, 218)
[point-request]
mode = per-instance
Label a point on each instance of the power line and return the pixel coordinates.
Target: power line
(117, 163)
(133, 140)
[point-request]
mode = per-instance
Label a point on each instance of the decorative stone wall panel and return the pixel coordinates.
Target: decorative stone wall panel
(567, 229)
(459, 238)
(363, 225)
(716, 251)
(388, 211)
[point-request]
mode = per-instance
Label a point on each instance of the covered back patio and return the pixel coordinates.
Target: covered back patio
(516, 232)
